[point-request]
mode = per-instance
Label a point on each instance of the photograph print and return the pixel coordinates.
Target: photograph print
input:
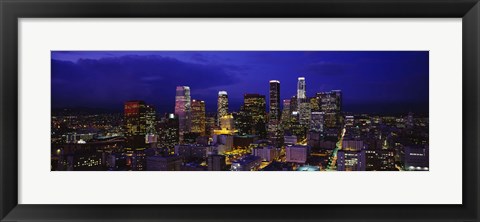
(239, 111)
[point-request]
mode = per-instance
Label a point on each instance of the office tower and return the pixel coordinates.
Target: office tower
(315, 104)
(304, 113)
(351, 160)
(182, 110)
(296, 154)
(210, 124)
(216, 162)
(135, 118)
(303, 106)
(338, 100)
(380, 160)
(191, 152)
(286, 112)
(274, 100)
(227, 126)
(222, 105)
(301, 90)
(293, 105)
(246, 163)
(316, 122)
(416, 158)
(255, 109)
(198, 117)
(353, 145)
(150, 119)
(330, 101)
(331, 105)
(169, 133)
(164, 163)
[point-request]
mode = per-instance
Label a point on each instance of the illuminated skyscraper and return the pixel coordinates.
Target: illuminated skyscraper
(274, 100)
(222, 108)
(302, 104)
(168, 128)
(135, 118)
(331, 104)
(293, 104)
(316, 122)
(150, 119)
(315, 104)
(304, 113)
(255, 109)
(139, 118)
(286, 112)
(301, 90)
(198, 117)
(182, 110)
(227, 125)
(210, 123)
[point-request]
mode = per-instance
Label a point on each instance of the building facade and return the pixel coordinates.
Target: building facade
(198, 121)
(255, 111)
(222, 105)
(182, 110)
(274, 100)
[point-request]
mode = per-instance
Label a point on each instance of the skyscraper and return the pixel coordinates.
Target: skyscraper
(274, 100)
(135, 118)
(302, 103)
(301, 90)
(286, 115)
(198, 117)
(182, 110)
(150, 119)
(168, 128)
(330, 101)
(210, 123)
(316, 122)
(222, 108)
(255, 108)
(138, 117)
(293, 104)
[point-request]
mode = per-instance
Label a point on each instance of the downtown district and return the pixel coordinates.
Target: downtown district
(308, 134)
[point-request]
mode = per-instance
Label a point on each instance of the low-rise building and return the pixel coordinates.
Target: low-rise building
(297, 154)
(246, 163)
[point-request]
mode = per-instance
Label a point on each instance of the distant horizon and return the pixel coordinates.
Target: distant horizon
(379, 82)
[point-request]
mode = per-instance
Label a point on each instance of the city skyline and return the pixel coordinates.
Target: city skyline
(265, 130)
(142, 78)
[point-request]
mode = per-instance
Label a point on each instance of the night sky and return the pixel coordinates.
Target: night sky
(382, 82)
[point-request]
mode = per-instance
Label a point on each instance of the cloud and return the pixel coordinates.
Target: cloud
(114, 80)
(326, 68)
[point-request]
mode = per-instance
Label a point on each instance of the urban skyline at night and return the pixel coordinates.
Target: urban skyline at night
(372, 82)
(226, 118)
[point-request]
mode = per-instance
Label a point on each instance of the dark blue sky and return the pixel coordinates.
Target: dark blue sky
(371, 81)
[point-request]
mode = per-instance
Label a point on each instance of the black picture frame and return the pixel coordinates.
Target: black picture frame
(12, 10)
